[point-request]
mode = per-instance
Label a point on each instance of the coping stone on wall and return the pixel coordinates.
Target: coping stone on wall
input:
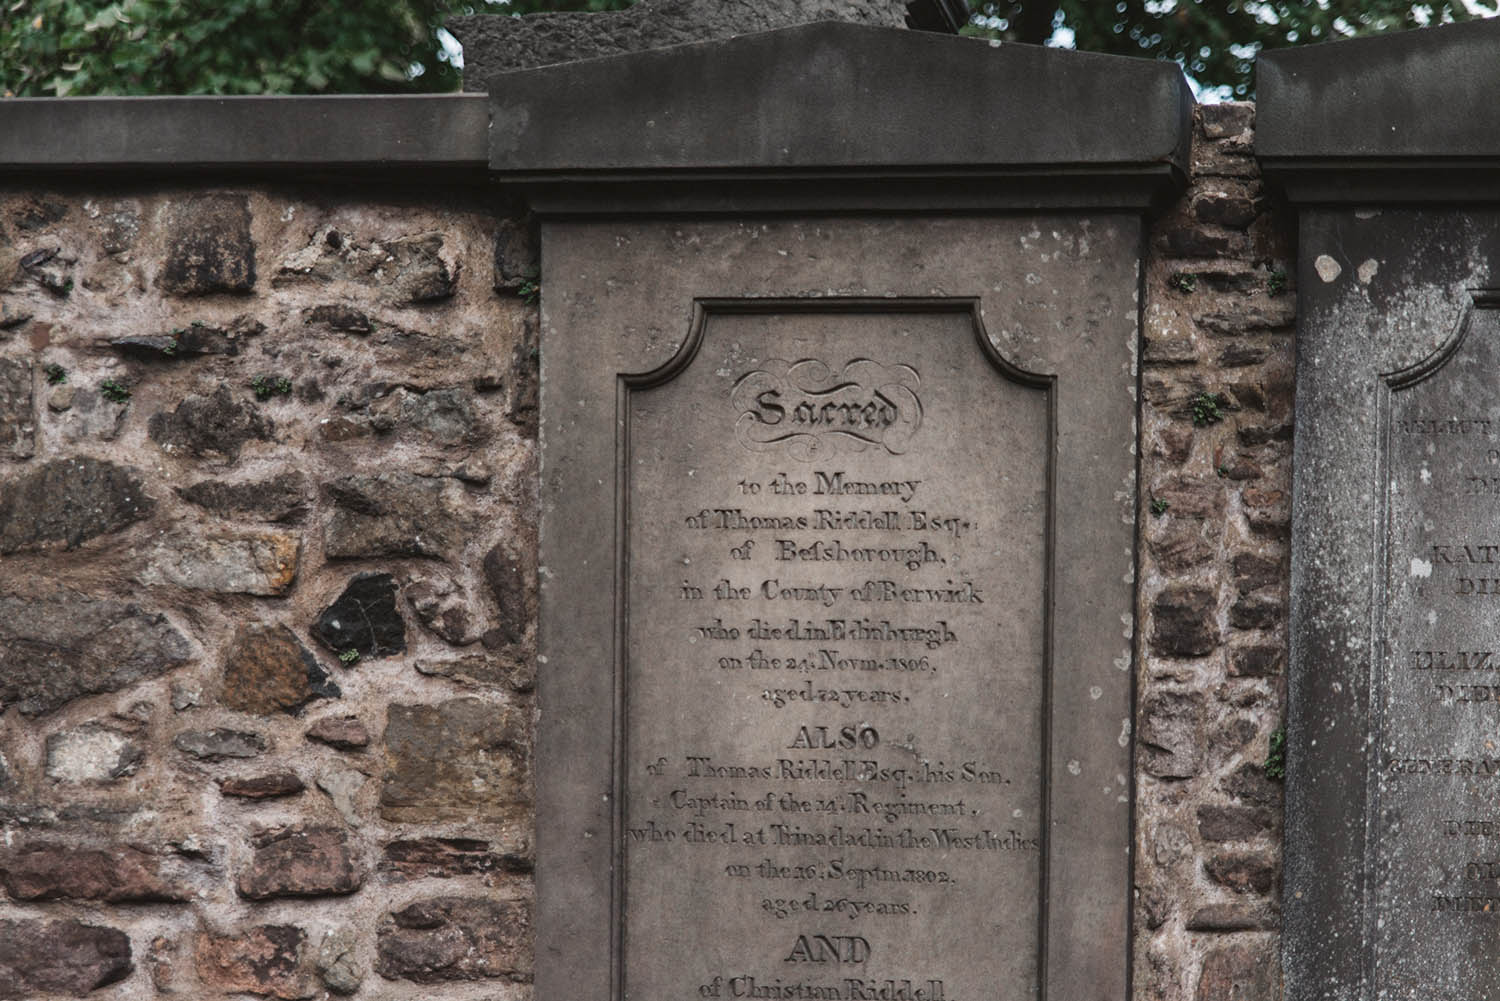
(362, 133)
(836, 116)
(1408, 117)
(496, 43)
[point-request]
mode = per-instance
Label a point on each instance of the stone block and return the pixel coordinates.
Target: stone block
(345, 733)
(443, 606)
(1244, 972)
(465, 759)
(338, 961)
(17, 409)
(267, 670)
(484, 671)
(1243, 872)
(442, 858)
(269, 786)
(213, 426)
(1171, 734)
(217, 745)
(262, 564)
(283, 497)
(1183, 623)
(70, 501)
(121, 874)
(391, 514)
(92, 753)
(300, 862)
(363, 619)
(448, 939)
(266, 960)
(61, 957)
(1233, 823)
(58, 648)
(209, 246)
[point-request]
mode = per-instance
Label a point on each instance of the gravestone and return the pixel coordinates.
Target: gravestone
(1392, 885)
(838, 429)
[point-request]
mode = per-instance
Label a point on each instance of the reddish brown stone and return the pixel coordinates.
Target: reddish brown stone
(1241, 973)
(61, 957)
(300, 862)
(465, 759)
(1174, 444)
(1233, 823)
(267, 670)
(456, 938)
(1183, 623)
(445, 857)
(262, 786)
(265, 960)
(1243, 872)
(346, 733)
(1179, 544)
(122, 875)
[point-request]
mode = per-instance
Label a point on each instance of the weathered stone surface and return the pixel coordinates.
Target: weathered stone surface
(1182, 623)
(17, 416)
(462, 759)
(338, 962)
(1248, 783)
(62, 957)
(209, 247)
(92, 753)
(262, 786)
(300, 862)
(346, 733)
(1256, 661)
(1243, 872)
(342, 786)
(390, 514)
(516, 259)
(55, 649)
(262, 564)
(216, 745)
(1240, 973)
(422, 858)
(498, 671)
(510, 572)
(497, 44)
(442, 605)
(363, 619)
(525, 381)
(1233, 823)
(123, 874)
(70, 501)
(163, 966)
(1179, 544)
(447, 939)
(85, 415)
(1231, 917)
(215, 426)
(264, 960)
(409, 270)
(267, 670)
(1172, 734)
(284, 497)
(1257, 612)
(339, 317)
(38, 212)
(119, 227)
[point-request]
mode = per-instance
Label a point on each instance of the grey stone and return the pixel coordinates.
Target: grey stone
(391, 514)
(1240, 972)
(209, 246)
(1171, 734)
(443, 606)
(263, 564)
(283, 497)
(342, 786)
(510, 570)
(516, 258)
(409, 270)
(70, 501)
(17, 414)
(455, 939)
(86, 414)
(217, 425)
(498, 43)
(363, 619)
(64, 957)
(57, 648)
(336, 316)
(119, 227)
(484, 671)
(92, 753)
(338, 961)
(216, 745)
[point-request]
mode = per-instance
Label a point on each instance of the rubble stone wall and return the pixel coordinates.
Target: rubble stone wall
(267, 613)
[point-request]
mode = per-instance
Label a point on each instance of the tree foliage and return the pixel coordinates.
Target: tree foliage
(73, 47)
(1215, 41)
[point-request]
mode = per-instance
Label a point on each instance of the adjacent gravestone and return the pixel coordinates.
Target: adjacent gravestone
(838, 490)
(1392, 886)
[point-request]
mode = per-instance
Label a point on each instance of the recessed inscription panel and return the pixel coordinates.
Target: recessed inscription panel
(836, 535)
(1437, 837)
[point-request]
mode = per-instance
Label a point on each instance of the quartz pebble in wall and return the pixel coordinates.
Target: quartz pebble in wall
(267, 553)
(1216, 441)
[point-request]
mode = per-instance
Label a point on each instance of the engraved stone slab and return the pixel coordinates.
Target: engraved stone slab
(1390, 887)
(837, 607)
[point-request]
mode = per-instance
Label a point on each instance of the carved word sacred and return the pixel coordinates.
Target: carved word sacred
(812, 410)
